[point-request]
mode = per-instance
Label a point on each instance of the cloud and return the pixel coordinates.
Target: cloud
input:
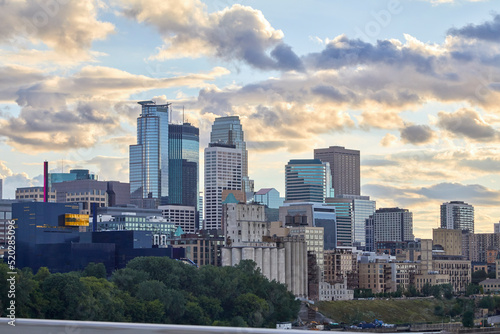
(12, 181)
(417, 134)
(31, 21)
(388, 140)
(109, 168)
(489, 31)
(237, 33)
(467, 123)
(441, 192)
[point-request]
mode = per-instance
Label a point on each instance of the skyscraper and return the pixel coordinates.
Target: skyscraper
(149, 158)
(392, 224)
(228, 130)
(307, 180)
(457, 215)
(352, 212)
(344, 168)
(223, 171)
(184, 156)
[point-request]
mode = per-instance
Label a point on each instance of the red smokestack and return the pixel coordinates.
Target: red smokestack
(45, 181)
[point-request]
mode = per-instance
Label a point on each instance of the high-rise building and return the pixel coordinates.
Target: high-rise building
(1, 188)
(307, 180)
(457, 215)
(352, 212)
(393, 224)
(228, 130)
(183, 165)
(223, 171)
(344, 168)
(149, 157)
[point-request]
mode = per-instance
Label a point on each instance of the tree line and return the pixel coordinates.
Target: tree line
(153, 290)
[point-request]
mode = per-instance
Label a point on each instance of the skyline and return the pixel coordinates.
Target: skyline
(419, 98)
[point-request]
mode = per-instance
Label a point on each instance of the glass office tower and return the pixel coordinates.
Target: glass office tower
(149, 158)
(183, 148)
(307, 180)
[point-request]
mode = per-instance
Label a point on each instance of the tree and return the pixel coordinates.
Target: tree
(97, 270)
(468, 319)
(127, 279)
(427, 289)
(478, 276)
(472, 289)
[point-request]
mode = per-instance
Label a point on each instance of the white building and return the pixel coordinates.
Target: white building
(183, 216)
(337, 291)
(393, 224)
(223, 171)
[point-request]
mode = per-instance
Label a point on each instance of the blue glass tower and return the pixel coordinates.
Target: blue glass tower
(184, 156)
(307, 180)
(149, 182)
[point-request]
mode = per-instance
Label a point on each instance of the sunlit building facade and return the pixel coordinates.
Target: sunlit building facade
(457, 215)
(307, 180)
(149, 157)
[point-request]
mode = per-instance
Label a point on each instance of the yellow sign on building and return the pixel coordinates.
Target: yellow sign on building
(71, 219)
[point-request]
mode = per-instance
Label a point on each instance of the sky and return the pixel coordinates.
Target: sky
(413, 84)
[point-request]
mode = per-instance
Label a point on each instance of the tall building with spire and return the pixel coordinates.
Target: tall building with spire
(149, 159)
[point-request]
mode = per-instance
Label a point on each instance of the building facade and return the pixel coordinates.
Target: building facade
(181, 216)
(457, 215)
(307, 180)
(352, 213)
(393, 224)
(149, 181)
(183, 165)
(449, 239)
(222, 172)
(34, 194)
(344, 169)
(269, 197)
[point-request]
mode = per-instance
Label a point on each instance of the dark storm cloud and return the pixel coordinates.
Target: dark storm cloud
(467, 123)
(489, 30)
(417, 134)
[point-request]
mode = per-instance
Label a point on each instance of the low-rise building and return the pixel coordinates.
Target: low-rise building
(490, 285)
(336, 291)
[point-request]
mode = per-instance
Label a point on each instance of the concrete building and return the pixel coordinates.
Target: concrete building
(352, 213)
(449, 239)
(149, 158)
(269, 197)
(393, 224)
(431, 278)
(5, 217)
(88, 192)
(280, 258)
(314, 242)
(375, 276)
(341, 263)
(34, 194)
(457, 215)
(203, 248)
(480, 243)
(457, 268)
(314, 215)
(490, 285)
(335, 291)
(223, 171)
(181, 216)
(345, 169)
(307, 180)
